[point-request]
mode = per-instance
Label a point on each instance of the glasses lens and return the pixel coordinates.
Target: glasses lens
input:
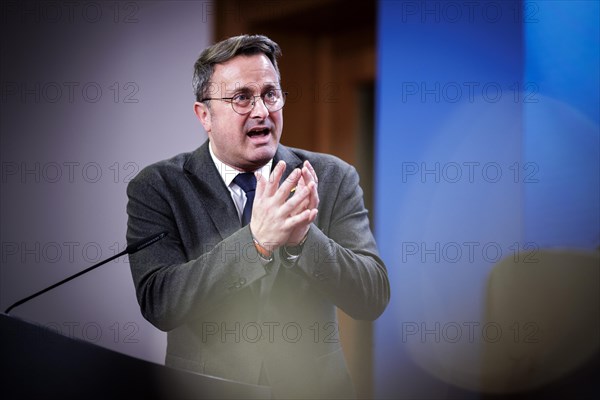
(273, 100)
(242, 103)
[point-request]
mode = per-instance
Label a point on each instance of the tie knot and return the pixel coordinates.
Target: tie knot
(246, 180)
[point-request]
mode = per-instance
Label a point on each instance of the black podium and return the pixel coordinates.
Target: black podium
(38, 363)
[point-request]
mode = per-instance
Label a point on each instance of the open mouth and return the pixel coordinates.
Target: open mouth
(259, 132)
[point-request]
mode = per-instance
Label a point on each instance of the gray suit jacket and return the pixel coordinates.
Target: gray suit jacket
(228, 312)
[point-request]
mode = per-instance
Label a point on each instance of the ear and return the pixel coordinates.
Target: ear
(203, 113)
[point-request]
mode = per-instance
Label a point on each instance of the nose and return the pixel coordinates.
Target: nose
(259, 110)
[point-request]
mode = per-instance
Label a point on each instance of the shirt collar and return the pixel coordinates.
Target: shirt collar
(228, 173)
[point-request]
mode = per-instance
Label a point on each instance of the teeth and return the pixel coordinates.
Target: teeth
(258, 132)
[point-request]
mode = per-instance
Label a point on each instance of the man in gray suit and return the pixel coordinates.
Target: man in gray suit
(264, 240)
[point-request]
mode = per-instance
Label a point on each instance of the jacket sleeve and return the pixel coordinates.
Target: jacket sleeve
(340, 258)
(171, 286)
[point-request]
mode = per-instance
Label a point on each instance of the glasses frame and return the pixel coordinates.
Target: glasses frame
(230, 101)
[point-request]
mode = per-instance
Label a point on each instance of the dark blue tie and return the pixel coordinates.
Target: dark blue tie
(247, 181)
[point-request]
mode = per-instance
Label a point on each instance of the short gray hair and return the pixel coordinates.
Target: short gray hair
(224, 51)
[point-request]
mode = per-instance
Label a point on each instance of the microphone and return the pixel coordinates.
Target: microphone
(132, 248)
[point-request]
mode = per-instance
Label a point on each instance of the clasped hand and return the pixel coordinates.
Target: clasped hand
(278, 219)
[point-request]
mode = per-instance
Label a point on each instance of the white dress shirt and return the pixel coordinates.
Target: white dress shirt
(228, 174)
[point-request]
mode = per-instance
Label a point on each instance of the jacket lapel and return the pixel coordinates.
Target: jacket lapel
(214, 195)
(291, 161)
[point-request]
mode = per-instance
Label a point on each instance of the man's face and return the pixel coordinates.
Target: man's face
(248, 141)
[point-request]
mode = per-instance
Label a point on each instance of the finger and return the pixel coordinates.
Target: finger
(274, 178)
(301, 183)
(307, 176)
(304, 205)
(289, 184)
(293, 204)
(299, 219)
(309, 166)
(260, 185)
(313, 215)
(312, 186)
(306, 217)
(313, 195)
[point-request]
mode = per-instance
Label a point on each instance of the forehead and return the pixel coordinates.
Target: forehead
(245, 71)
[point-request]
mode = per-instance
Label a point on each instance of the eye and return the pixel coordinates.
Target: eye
(271, 96)
(241, 98)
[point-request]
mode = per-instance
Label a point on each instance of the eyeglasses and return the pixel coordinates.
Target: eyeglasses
(243, 103)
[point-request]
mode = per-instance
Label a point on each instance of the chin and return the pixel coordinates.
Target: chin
(262, 156)
(267, 151)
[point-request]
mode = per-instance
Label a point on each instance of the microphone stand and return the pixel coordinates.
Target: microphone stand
(133, 248)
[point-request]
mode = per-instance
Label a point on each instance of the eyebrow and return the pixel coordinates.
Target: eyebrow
(249, 88)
